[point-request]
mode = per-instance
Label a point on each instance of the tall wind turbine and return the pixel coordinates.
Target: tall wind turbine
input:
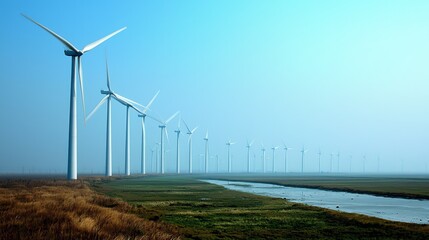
(303, 151)
(274, 154)
(286, 148)
(263, 157)
(249, 144)
(143, 117)
(73, 52)
(206, 155)
(177, 146)
(163, 128)
(110, 94)
(190, 132)
(229, 143)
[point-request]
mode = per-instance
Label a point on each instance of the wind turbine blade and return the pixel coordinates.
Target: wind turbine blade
(193, 130)
(82, 94)
(171, 118)
(207, 135)
(166, 134)
(97, 107)
(186, 125)
(132, 102)
(151, 101)
(108, 77)
(61, 39)
(251, 143)
(98, 42)
(156, 119)
(115, 96)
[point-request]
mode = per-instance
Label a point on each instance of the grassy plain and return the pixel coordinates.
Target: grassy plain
(58, 209)
(205, 211)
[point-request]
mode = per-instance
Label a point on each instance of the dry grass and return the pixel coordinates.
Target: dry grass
(57, 209)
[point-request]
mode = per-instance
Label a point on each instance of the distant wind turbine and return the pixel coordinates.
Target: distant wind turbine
(128, 103)
(190, 132)
(206, 155)
(274, 154)
(163, 128)
(263, 157)
(330, 168)
(177, 146)
(229, 143)
(286, 148)
(303, 151)
(73, 52)
(249, 144)
(338, 161)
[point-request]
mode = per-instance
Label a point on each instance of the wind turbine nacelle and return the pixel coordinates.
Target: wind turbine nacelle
(104, 92)
(72, 53)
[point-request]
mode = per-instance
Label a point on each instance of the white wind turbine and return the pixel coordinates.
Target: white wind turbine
(274, 154)
(190, 132)
(163, 128)
(109, 94)
(248, 154)
(143, 116)
(206, 155)
(286, 148)
(330, 168)
(73, 52)
(177, 146)
(229, 143)
(303, 151)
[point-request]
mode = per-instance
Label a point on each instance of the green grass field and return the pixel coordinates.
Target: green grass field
(205, 211)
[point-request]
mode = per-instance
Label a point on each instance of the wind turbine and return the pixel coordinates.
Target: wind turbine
(320, 155)
(330, 166)
(177, 146)
(303, 151)
(73, 52)
(263, 156)
(229, 143)
(163, 128)
(286, 148)
(190, 132)
(143, 117)
(248, 154)
(206, 156)
(274, 154)
(125, 101)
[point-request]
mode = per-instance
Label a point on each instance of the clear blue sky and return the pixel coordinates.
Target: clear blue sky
(347, 76)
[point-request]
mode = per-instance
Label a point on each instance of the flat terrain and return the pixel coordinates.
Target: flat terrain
(58, 209)
(205, 211)
(406, 186)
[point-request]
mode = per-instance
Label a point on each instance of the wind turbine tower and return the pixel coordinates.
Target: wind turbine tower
(263, 158)
(163, 128)
(190, 132)
(248, 154)
(206, 155)
(274, 154)
(177, 147)
(229, 143)
(286, 148)
(74, 53)
(303, 151)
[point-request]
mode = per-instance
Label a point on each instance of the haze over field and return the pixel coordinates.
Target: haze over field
(340, 76)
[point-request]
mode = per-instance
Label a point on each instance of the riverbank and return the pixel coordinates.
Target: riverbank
(399, 186)
(206, 211)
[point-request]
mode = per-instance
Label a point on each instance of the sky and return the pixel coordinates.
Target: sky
(335, 76)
